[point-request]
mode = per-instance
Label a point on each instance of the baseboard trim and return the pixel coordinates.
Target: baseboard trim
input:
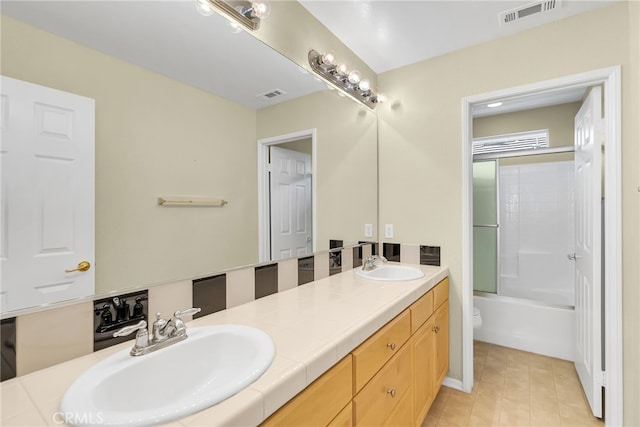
(453, 383)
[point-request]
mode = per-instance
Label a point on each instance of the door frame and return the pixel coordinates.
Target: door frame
(610, 78)
(264, 198)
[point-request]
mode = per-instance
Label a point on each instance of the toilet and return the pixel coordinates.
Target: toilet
(477, 320)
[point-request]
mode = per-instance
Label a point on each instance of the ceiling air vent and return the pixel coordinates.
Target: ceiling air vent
(268, 96)
(516, 14)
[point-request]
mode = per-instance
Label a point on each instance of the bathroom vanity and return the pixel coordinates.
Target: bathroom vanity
(348, 351)
(398, 369)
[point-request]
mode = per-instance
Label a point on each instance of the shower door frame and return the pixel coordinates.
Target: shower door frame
(496, 162)
(610, 78)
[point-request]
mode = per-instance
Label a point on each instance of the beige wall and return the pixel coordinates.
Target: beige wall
(631, 220)
(558, 119)
(346, 156)
(293, 31)
(420, 144)
(154, 137)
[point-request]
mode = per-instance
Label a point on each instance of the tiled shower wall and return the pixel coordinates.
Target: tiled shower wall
(67, 332)
(537, 231)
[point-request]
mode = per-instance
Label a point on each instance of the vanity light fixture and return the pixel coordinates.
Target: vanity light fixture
(338, 76)
(246, 13)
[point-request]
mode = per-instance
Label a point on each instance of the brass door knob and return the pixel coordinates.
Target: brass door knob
(82, 266)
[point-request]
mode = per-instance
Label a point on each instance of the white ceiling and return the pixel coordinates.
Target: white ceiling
(388, 34)
(171, 38)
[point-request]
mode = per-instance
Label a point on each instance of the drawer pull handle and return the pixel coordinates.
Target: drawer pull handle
(391, 392)
(436, 329)
(392, 346)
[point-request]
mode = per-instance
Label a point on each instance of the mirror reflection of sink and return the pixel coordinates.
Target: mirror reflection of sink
(211, 365)
(390, 272)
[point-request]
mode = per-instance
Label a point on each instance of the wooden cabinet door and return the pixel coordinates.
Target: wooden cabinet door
(320, 402)
(441, 329)
(377, 400)
(424, 364)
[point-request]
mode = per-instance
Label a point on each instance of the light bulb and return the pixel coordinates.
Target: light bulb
(342, 70)
(354, 77)
(328, 59)
(380, 98)
(364, 85)
(261, 9)
(204, 8)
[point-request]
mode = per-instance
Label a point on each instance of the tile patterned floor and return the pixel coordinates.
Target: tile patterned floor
(514, 388)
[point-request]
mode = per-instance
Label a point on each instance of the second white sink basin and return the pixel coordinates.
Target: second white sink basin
(390, 272)
(211, 365)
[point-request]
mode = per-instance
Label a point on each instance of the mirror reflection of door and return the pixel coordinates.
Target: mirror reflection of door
(47, 199)
(290, 207)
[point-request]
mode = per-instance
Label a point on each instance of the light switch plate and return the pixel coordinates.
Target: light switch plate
(388, 231)
(368, 230)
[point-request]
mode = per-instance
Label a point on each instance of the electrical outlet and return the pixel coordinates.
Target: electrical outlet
(368, 230)
(388, 231)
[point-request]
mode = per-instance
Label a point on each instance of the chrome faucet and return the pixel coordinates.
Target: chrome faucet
(369, 263)
(164, 332)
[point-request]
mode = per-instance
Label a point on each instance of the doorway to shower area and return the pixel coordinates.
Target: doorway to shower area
(589, 332)
(524, 239)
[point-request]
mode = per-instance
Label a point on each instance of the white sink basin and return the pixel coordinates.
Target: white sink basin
(212, 364)
(389, 272)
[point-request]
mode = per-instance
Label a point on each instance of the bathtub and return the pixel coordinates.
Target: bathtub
(527, 325)
(546, 291)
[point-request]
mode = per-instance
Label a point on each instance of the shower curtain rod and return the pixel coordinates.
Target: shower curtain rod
(519, 153)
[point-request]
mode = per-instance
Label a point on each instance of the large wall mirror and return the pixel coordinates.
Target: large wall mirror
(183, 105)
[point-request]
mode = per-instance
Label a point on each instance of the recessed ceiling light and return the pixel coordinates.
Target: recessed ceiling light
(494, 104)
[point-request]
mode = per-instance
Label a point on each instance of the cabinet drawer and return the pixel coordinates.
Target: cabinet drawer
(441, 293)
(344, 418)
(320, 402)
(403, 414)
(379, 397)
(369, 357)
(421, 310)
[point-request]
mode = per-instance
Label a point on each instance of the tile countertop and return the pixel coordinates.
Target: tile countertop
(312, 326)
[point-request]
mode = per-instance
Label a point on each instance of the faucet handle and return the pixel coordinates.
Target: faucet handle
(128, 330)
(187, 312)
(159, 323)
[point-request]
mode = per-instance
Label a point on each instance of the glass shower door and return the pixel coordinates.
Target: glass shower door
(485, 226)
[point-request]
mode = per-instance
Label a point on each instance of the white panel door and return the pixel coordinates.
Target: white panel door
(47, 195)
(290, 187)
(588, 139)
